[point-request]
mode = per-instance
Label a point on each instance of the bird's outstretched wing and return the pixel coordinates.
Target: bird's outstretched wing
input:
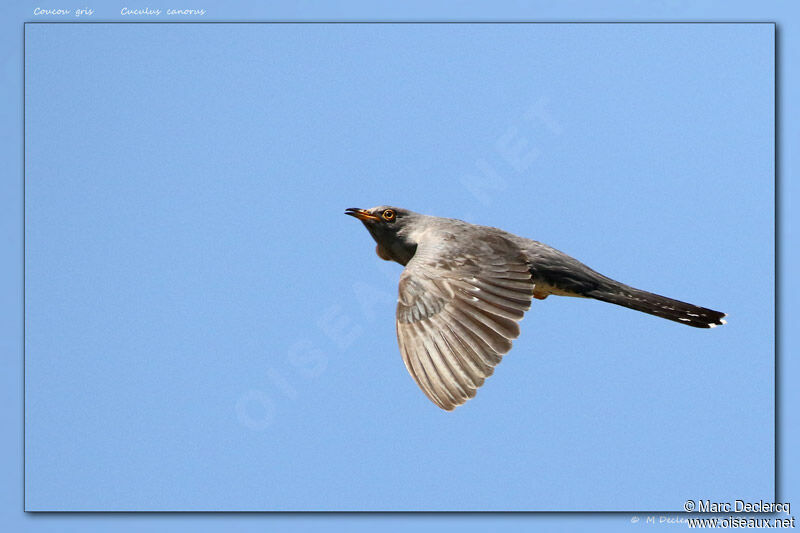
(457, 313)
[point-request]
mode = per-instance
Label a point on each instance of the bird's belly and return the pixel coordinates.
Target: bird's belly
(542, 290)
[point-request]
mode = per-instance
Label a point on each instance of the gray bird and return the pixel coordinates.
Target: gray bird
(465, 287)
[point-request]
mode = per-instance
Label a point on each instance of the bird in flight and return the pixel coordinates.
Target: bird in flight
(465, 287)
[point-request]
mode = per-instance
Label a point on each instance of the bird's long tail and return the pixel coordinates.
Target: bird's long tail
(654, 304)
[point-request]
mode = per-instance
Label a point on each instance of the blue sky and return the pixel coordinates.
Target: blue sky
(205, 330)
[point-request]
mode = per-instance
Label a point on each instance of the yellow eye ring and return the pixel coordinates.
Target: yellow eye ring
(388, 215)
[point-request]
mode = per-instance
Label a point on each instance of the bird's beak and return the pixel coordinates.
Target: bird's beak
(360, 214)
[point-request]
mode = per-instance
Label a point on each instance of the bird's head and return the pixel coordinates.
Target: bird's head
(392, 228)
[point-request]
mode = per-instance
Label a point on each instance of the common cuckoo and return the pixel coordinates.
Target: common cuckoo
(465, 287)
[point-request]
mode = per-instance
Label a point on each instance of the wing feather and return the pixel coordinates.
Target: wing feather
(457, 314)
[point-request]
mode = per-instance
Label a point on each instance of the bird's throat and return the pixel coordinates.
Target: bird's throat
(382, 253)
(396, 252)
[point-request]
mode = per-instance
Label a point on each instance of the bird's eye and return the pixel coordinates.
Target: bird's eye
(388, 215)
